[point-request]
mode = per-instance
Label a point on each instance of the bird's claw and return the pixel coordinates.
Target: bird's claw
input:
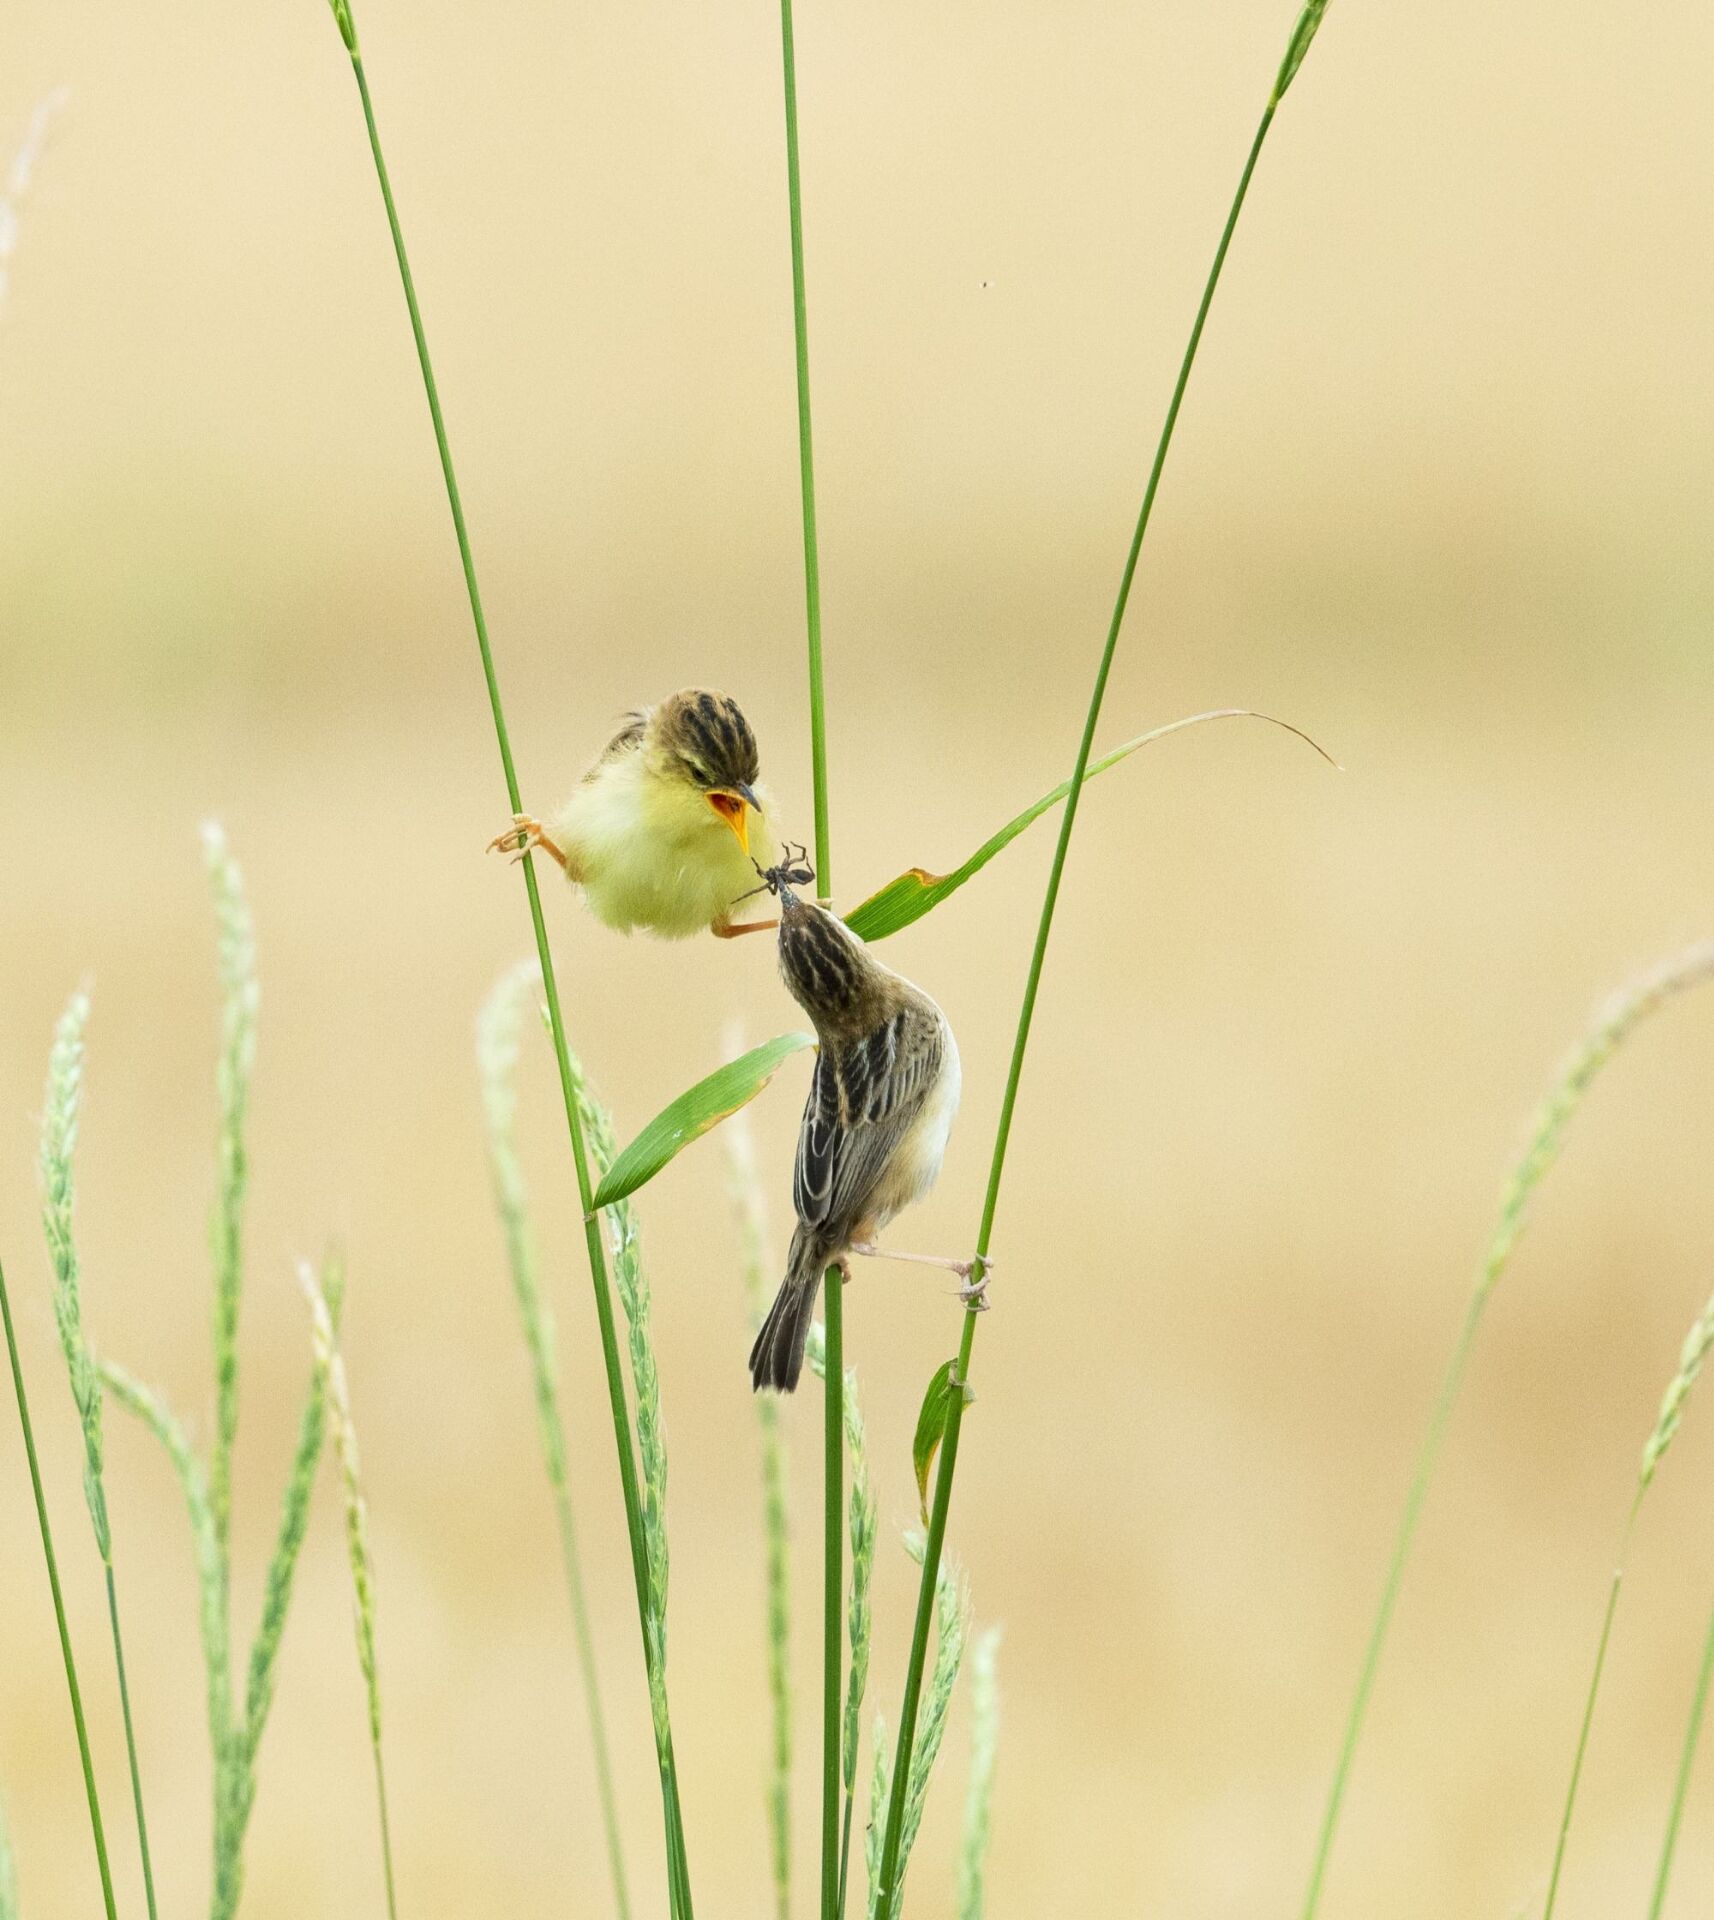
(524, 833)
(974, 1293)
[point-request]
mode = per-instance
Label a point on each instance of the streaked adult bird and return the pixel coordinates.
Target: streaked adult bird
(875, 1127)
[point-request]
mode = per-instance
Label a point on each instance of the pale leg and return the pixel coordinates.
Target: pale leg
(524, 835)
(973, 1295)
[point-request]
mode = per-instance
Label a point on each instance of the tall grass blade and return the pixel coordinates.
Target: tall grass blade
(905, 900)
(678, 1871)
(1614, 1024)
(8, 1870)
(1691, 1357)
(499, 1028)
(1681, 1786)
(984, 1754)
(231, 1789)
(880, 1795)
(60, 1115)
(236, 941)
(744, 1184)
(952, 1623)
(97, 1831)
(863, 1526)
(330, 1371)
(833, 1306)
(61, 1112)
(806, 459)
(289, 1537)
(631, 1283)
(928, 1587)
(130, 1742)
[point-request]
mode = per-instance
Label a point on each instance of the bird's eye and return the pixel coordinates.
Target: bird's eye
(699, 774)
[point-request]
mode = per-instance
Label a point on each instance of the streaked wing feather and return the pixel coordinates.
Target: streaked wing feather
(627, 740)
(860, 1107)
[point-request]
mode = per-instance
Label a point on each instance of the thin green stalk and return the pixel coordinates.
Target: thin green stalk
(1693, 1355)
(1068, 820)
(863, 1527)
(1681, 1787)
(239, 998)
(233, 1782)
(744, 1185)
(8, 1871)
(832, 1597)
(96, 1829)
(1613, 1025)
(678, 1874)
(62, 1112)
(806, 465)
(498, 1031)
(131, 1745)
(984, 1754)
(1588, 1720)
(330, 1370)
(833, 1611)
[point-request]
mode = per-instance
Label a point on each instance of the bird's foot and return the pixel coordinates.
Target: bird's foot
(730, 930)
(974, 1293)
(525, 835)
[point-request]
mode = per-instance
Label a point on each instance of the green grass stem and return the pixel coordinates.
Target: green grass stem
(984, 1755)
(833, 1305)
(498, 1031)
(745, 1187)
(62, 1111)
(678, 1874)
(1681, 1786)
(236, 945)
(97, 1831)
(806, 464)
(902, 1771)
(8, 1870)
(1613, 1025)
(1691, 1357)
(330, 1371)
(862, 1523)
(832, 1594)
(130, 1743)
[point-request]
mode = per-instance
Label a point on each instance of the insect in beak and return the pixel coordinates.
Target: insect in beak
(793, 871)
(733, 805)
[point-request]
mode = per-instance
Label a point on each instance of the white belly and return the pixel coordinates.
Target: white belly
(916, 1166)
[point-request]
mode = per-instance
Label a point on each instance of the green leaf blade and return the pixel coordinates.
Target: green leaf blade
(917, 891)
(698, 1110)
(931, 1424)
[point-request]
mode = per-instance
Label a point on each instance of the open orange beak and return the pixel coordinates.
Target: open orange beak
(734, 809)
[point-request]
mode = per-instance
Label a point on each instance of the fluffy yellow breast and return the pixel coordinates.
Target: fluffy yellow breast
(649, 851)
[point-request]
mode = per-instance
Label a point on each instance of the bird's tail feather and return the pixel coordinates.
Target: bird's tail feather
(776, 1360)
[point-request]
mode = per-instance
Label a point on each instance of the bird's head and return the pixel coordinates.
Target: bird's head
(827, 969)
(700, 740)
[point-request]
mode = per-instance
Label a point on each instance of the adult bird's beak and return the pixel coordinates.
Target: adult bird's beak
(733, 805)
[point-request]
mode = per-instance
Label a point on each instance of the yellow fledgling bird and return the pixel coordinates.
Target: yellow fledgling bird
(875, 1127)
(662, 829)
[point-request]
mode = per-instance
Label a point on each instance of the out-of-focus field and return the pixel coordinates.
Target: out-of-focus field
(1441, 496)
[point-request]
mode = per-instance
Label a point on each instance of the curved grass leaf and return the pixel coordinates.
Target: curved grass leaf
(917, 892)
(695, 1112)
(931, 1424)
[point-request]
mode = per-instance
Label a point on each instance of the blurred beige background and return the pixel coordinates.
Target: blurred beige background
(1441, 495)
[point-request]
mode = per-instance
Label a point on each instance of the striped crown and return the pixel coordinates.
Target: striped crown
(709, 736)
